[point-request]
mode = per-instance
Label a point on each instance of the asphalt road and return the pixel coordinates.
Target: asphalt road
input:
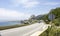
(23, 31)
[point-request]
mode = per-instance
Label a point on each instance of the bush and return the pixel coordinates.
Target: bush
(53, 31)
(56, 22)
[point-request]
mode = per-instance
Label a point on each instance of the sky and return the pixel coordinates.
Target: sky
(22, 9)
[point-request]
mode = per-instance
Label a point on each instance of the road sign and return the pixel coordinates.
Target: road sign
(51, 16)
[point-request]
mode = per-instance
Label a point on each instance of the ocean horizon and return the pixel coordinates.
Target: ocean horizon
(8, 23)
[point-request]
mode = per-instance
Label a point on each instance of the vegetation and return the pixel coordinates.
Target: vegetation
(56, 20)
(56, 12)
(51, 31)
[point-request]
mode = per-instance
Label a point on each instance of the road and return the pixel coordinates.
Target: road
(24, 31)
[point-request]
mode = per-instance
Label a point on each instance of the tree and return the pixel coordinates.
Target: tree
(32, 17)
(56, 12)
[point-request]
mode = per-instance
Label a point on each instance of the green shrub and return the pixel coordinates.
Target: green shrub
(56, 22)
(51, 31)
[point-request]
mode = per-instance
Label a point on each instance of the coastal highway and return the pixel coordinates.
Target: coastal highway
(24, 31)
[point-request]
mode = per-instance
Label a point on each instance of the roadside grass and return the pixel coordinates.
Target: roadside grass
(53, 31)
(12, 26)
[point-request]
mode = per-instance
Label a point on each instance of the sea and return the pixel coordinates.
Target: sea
(8, 23)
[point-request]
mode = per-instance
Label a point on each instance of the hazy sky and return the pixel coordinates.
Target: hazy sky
(22, 9)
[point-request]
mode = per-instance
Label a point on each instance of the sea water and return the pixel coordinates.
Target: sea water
(8, 23)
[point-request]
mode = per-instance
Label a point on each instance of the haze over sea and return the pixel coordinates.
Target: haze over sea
(8, 23)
